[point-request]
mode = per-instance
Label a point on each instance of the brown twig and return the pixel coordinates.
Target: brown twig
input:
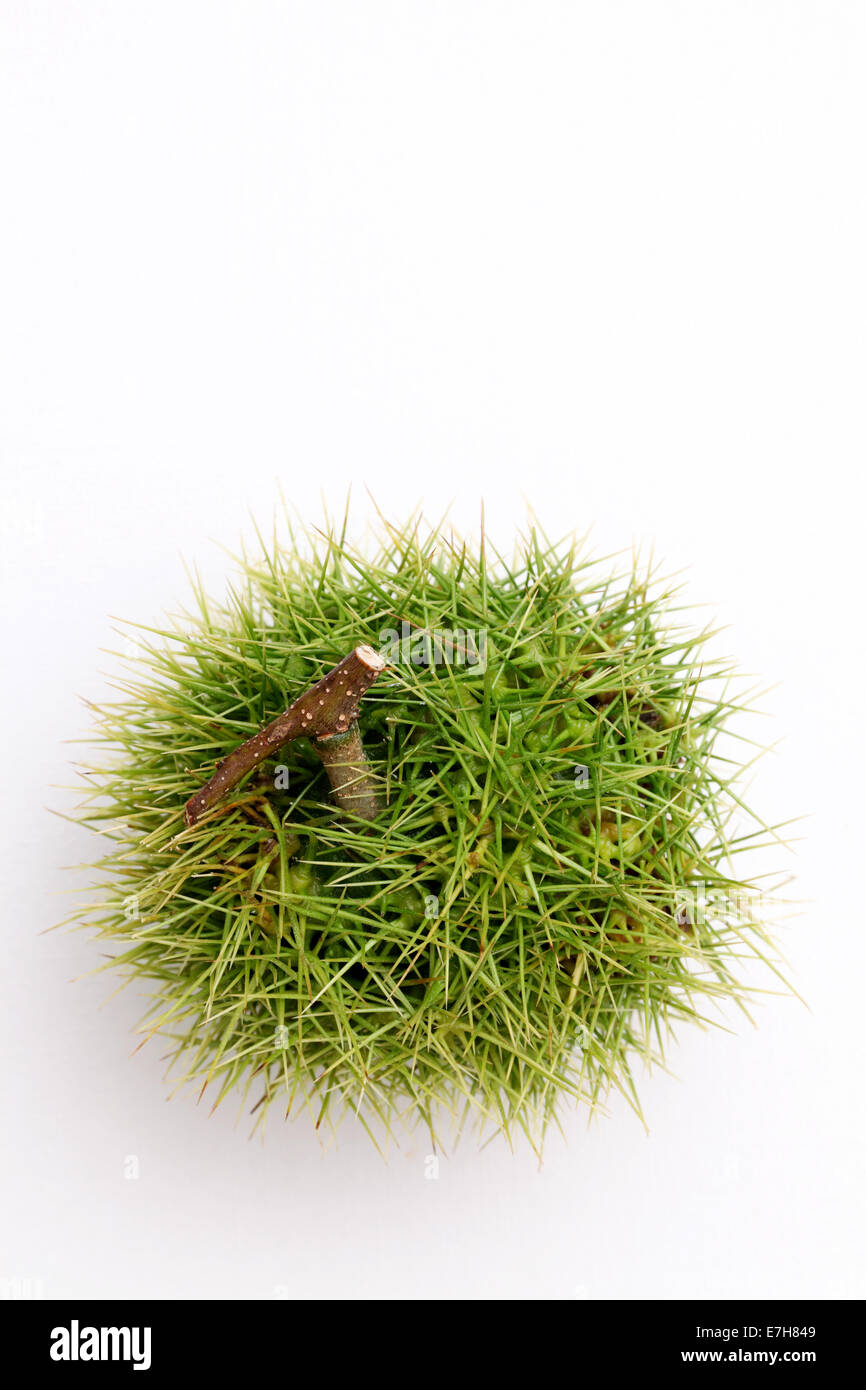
(326, 713)
(352, 782)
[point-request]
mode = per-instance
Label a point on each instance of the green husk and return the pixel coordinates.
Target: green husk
(508, 933)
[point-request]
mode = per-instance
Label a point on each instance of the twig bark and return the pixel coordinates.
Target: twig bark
(326, 714)
(352, 781)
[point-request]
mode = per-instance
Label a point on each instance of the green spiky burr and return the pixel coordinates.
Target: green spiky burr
(422, 829)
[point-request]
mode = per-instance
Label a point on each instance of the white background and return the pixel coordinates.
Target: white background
(609, 257)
